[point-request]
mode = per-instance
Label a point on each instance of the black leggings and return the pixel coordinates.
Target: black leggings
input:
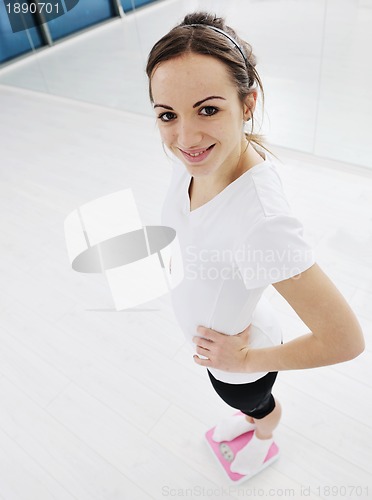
(253, 399)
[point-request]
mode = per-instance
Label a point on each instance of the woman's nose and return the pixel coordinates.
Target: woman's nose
(189, 135)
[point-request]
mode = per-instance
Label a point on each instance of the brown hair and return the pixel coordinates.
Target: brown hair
(193, 36)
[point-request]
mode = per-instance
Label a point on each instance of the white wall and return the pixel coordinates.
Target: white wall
(316, 65)
(314, 57)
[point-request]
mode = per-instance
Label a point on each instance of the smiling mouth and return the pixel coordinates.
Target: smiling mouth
(198, 153)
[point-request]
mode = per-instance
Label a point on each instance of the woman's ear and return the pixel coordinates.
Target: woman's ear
(249, 105)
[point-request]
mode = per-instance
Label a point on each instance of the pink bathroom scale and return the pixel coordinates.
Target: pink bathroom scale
(225, 453)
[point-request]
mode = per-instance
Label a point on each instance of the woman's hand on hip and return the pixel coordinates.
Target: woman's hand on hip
(221, 351)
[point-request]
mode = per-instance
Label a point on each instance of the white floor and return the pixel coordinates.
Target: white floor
(98, 404)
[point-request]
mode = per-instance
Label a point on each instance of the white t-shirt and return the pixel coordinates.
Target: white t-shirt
(233, 247)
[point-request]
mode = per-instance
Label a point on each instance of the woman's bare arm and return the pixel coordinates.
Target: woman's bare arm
(335, 334)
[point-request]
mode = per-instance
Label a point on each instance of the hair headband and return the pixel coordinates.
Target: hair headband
(226, 35)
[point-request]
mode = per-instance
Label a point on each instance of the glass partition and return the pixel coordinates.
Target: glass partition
(80, 14)
(104, 65)
(13, 44)
(129, 5)
(311, 55)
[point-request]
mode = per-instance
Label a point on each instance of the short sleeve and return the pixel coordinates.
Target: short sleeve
(273, 250)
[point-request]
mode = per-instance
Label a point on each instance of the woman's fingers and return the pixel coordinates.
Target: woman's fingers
(201, 350)
(207, 333)
(202, 342)
(218, 350)
(201, 362)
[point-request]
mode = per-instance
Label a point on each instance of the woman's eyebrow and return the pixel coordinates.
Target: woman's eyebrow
(163, 106)
(197, 104)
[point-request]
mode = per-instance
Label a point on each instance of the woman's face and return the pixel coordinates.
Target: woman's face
(199, 113)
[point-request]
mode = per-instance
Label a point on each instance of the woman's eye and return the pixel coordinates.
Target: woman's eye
(209, 111)
(166, 117)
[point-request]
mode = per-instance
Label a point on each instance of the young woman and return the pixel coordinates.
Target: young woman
(237, 233)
